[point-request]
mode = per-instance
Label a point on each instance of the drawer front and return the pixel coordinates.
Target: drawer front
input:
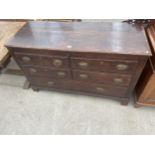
(100, 89)
(101, 77)
(80, 86)
(49, 82)
(55, 61)
(56, 74)
(121, 66)
(27, 59)
(40, 60)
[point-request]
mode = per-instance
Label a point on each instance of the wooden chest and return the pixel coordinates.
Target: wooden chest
(101, 59)
(145, 88)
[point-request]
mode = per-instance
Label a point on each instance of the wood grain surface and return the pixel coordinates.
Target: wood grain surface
(118, 38)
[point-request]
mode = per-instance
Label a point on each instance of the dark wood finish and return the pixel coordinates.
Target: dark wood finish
(100, 59)
(124, 101)
(79, 86)
(117, 38)
(102, 77)
(51, 60)
(47, 72)
(145, 89)
(112, 65)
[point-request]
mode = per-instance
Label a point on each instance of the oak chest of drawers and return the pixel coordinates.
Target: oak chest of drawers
(101, 59)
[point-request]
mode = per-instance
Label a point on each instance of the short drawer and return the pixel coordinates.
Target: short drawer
(102, 77)
(47, 72)
(42, 60)
(27, 59)
(119, 66)
(78, 86)
(49, 82)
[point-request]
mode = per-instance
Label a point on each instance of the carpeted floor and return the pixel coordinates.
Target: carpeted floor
(28, 112)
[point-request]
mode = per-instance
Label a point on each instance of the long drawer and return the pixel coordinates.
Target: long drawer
(53, 61)
(102, 77)
(106, 65)
(47, 72)
(79, 86)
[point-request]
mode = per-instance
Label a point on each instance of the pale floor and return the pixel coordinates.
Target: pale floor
(28, 112)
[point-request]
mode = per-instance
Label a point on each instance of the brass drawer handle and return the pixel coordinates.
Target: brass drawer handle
(118, 80)
(100, 90)
(50, 83)
(57, 62)
(32, 70)
(83, 64)
(61, 74)
(26, 59)
(121, 67)
(83, 76)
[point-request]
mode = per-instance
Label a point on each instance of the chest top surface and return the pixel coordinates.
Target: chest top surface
(117, 38)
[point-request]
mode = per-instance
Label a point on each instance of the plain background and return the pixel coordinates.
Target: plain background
(77, 9)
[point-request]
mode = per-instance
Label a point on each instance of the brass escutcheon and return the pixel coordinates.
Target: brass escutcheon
(122, 67)
(99, 89)
(50, 83)
(32, 70)
(83, 64)
(26, 59)
(61, 74)
(118, 80)
(83, 76)
(57, 62)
